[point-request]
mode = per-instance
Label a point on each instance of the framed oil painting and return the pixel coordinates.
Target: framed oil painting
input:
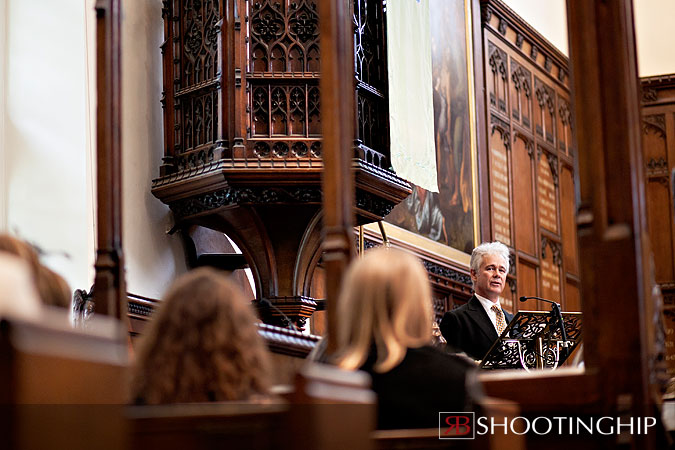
(446, 221)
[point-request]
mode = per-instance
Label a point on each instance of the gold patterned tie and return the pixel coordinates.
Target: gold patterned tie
(501, 323)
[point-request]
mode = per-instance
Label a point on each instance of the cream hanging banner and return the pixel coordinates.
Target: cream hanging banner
(411, 116)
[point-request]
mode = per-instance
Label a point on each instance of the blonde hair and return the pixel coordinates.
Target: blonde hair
(203, 345)
(385, 301)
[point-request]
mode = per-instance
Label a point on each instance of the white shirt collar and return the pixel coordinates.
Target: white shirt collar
(487, 304)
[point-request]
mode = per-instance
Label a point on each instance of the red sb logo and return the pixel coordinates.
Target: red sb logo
(456, 425)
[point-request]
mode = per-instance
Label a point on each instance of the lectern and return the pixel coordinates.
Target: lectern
(533, 340)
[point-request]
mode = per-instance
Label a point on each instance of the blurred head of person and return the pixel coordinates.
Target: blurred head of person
(18, 296)
(385, 303)
(202, 345)
(53, 288)
(22, 249)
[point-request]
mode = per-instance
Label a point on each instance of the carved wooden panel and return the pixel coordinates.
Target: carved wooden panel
(530, 146)
(371, 81)
(509, 300)
(658, 146)
(544, 110)
(527, 283)
(568, 221)
(564, 118)
(572, 297)
(521, 94)
(547, 181)
(661, 227)
(243, 130)
(551, 261)
(499, 189)
(669, 326)
(283, 122)
(283, 36)
(497, 77)
(659, 195)
(523, 203)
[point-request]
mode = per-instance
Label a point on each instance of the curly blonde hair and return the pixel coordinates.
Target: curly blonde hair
(203, 345)
(385, 301)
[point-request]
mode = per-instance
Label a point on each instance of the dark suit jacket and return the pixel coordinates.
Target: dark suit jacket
(468, 329)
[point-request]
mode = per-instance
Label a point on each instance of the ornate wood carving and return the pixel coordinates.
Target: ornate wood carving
(655, 122)
(658, 134)
(244, 128)
(497, 62)
(521, 106)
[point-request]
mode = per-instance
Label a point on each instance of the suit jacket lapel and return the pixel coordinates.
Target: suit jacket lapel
(478, 315)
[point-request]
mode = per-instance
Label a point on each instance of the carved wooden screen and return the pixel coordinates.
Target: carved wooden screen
(529, 146)
(282, 81)
(270, 117)
(191, 84)
(243, 133)
(370, 63)
(658, 144)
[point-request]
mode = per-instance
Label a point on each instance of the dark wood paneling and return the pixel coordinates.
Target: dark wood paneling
(527, 285)
(530, 138)
(500, 195)
(523, 202)
(572, 299)
(568, 222)
(551, 285)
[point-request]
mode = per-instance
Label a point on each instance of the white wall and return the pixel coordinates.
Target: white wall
(548, 17)
(47, 200)
(153, 258)
(655, 44)
(3, 64)
(653, 24)
(49, 141)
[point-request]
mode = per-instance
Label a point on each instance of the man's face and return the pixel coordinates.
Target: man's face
(490, 279)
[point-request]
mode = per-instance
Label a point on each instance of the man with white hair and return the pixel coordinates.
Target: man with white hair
(474, 327)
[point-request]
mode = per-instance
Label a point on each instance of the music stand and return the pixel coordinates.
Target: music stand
(533, 340)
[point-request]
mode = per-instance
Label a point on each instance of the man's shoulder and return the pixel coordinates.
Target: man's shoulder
(460, 310)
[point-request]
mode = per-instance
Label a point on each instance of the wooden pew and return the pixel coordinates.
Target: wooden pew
(327, 409)
(62, 388)
(428, 438)
(332, 409)
(202, 426)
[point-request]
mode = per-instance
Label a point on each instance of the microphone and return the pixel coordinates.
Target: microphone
(524, 299)
(268, 304)
(556, 314)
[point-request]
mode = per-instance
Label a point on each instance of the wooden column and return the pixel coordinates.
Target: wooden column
(613, 240)
(109, 286)
(337, 118)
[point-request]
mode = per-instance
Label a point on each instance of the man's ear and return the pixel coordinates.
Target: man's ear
(473, 275)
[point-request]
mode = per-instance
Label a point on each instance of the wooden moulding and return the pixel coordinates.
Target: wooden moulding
(658, 90)
(531, 45)
(279, 340)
